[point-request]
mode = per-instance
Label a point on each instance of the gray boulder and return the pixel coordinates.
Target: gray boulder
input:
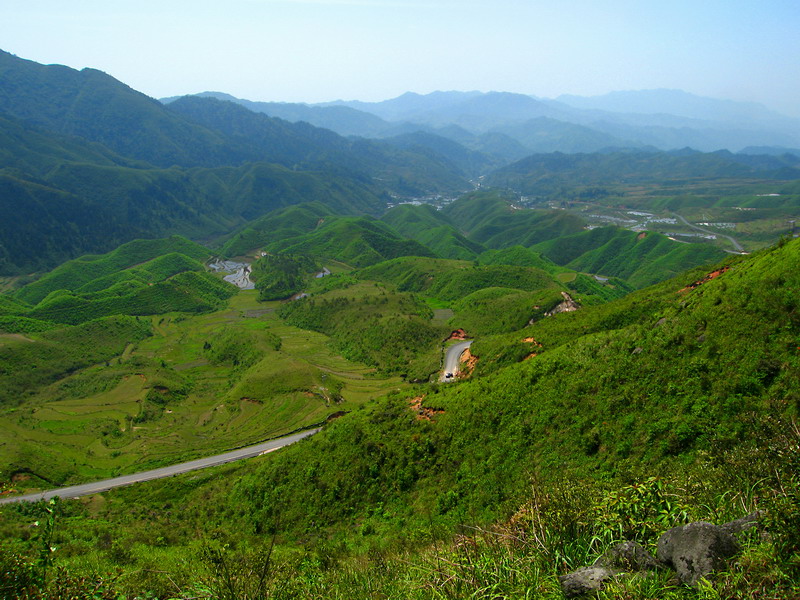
(627, 556)
(585, 580)
(696, 549)
(622, 558)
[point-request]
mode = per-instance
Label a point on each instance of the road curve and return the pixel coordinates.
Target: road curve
(87, 489)
(737, 247)
(452, 359)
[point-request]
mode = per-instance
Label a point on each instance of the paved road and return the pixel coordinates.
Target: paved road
(452, 360)
(87, 489)
(736, 245)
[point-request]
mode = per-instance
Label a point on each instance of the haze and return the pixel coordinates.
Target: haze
(320, 50)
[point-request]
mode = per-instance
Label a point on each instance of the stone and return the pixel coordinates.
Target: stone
(627, 556)
(739, 525)
(585, 580)
(696, 549)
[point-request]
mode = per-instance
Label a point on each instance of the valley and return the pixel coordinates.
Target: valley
(503, 335)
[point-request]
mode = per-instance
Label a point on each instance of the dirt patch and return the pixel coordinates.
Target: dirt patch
(468, 362)
(530, 340)
(458, 334)
(200, 362)
(424, 413)
(568, 305)
(641, 236)
(259, 312)
(17, 336)
(706, 279)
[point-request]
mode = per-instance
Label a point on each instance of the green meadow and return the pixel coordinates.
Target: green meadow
(168, 398)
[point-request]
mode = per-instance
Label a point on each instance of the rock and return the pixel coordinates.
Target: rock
(739, 525)
(696, 549)
(585, 580)
(627, 556)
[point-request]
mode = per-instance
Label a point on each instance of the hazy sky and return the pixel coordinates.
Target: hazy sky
(318, 50)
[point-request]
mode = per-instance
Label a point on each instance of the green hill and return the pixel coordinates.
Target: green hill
(432, 229)
(26, 365)
(492, 220)
(77, 273)
(641, 259)
(552, 174)
(188, 291)
(277, 225)
(452, 280)
(279, 276)
(357, 241)
(97, 107)
(375, 325)
(519, 256)
(701, 363)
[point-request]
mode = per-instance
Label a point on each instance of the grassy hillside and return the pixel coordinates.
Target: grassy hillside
(453, 280)
(77, 273)
(550, 174)
(356, 241)
(276, 225)
(188, 291)
(29, 363)
(703, 368)
(490, 219)
(612, 422)
(432, 229)
(639, 258)
(373, 324)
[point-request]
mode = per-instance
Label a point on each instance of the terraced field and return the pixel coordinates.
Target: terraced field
(168, 398)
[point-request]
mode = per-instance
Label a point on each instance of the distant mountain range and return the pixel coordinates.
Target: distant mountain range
(87, 163)
(664, 119)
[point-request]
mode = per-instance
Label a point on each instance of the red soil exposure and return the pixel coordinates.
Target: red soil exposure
(706, 279)
(468, 362)
(641, 236)
(424, 413)
(530, 340)
(458, 334)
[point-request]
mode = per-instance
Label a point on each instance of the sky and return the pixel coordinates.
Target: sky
(371, 50)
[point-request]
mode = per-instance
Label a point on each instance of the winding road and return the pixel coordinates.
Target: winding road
(738, 248)
(452, 359)
(87, 489)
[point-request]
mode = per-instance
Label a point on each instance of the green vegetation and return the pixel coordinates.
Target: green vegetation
(372, 324)
(490, 219)
(432, 229)
(277, 225)
(189, 291)
(279, 276)
(641, 259)
(119, 395)
(450, 280)
(563, 432)
(356, 241)
(29, 363)
(613, 422)
(76, 274)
